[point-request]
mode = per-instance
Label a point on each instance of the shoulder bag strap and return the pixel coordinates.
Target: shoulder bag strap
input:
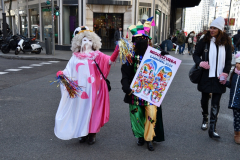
(100, 70)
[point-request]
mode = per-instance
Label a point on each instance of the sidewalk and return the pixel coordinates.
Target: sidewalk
(66, 55)
(58, 56)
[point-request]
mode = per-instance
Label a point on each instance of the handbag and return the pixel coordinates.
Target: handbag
(106, 80)
(195, 72)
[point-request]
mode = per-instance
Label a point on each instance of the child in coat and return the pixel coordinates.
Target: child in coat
(234, 101)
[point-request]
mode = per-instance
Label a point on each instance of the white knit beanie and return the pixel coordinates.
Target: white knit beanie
(218, 23)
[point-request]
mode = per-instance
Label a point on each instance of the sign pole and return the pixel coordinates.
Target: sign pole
(229, 16)
(53, 33)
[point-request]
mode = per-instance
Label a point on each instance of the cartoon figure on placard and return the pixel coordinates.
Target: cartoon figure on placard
(154, 96)
(140, 75)
(147, 90)
(145, 80)
(155, 85)
(158, 97)
(138, 88)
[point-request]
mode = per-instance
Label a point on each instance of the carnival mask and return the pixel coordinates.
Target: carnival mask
(86, 45)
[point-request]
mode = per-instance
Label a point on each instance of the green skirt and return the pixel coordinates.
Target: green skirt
(137, 117)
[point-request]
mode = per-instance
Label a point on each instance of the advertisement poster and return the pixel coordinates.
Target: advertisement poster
(154, 76)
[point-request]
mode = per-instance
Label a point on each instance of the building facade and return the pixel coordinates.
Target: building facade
(33, 18)
(199, 18)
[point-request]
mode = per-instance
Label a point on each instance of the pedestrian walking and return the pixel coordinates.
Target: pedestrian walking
(216, 67)
(118, 34)
(234, 103)
(146, 119)
(236, 41)
(174, 41)
(191, 42)
(84, 115)
(181, 39)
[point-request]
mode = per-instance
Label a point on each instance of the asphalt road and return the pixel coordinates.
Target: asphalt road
(28, 104)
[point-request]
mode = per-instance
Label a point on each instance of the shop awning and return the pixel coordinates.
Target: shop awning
(110, 2)
(185, 3)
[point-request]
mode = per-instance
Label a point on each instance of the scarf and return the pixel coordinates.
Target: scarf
(237, 71)
(212, 58)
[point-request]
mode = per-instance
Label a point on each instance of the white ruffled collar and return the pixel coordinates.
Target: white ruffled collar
(91, 55)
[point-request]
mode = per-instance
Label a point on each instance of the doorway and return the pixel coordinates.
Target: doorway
(105, 25)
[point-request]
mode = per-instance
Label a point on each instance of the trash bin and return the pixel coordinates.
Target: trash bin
(48, 45)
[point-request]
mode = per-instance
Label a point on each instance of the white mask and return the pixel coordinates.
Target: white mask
(86, 45)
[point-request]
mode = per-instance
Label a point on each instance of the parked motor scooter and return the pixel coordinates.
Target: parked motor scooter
(10, 43)
(27, 45)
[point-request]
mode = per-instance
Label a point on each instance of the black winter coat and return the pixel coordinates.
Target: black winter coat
(127, 77)
(236, 37)
(206, 84)
(234, 100)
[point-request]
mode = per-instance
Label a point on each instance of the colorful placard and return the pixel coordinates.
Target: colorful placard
(154, 76)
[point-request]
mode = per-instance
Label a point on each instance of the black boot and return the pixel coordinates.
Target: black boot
(83, 139)
(91, 138)
(140, 141)
(150, 146)
(213, 121)
(205, 122)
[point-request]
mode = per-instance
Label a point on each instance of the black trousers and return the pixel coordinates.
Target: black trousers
(216, 97)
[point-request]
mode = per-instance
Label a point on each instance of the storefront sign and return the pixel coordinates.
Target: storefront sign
(231, 21)
(154, 76)
(46, 9)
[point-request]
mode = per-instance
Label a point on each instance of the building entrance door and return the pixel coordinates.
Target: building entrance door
(105, 25)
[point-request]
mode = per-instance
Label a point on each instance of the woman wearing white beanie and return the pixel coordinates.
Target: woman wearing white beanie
(216, 67)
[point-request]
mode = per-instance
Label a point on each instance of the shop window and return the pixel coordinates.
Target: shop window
(70, 17)
(34, 23)
(105, 25)
(47, 24)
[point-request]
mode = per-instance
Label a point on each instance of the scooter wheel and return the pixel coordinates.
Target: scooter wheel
(38, 51)
(5, 50)
(17, 52)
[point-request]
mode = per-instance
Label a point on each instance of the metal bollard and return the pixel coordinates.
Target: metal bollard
(48, 45)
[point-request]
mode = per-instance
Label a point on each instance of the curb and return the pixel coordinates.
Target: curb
(32, 58)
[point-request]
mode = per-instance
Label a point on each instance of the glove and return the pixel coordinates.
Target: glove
(115, 54)
(59, 73)
(224, 75)
(204, 64)
(163, 53)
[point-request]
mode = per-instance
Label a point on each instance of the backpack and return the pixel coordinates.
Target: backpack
(180, 39)
(190, 40)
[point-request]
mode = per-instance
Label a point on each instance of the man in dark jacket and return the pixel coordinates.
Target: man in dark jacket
(181, 39)
(118, 34)
(236, 38)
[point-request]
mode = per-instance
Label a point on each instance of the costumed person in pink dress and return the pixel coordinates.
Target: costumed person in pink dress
(84, 115)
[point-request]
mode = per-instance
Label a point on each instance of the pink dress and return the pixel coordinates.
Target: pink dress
(76, 117)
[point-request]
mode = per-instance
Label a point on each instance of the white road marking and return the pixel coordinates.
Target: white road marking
(35, 65)
(54, 61)
(25, 67)
(3, 72)
(45, 63)
(14, 70)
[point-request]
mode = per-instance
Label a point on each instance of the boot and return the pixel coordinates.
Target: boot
(92, 138)
(83, 139)
(150, 146)
(213, 121)
(237, 137)
(205, 122)
(140, 141)
(204, 106)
